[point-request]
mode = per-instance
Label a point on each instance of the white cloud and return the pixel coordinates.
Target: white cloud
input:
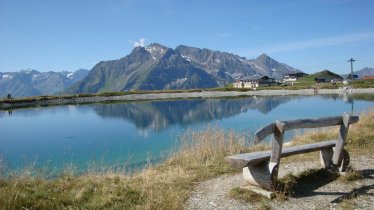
(139, 43)
(224, 35)
(314, 43)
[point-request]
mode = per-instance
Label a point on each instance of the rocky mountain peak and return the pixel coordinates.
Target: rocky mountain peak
(156, 46)
(263, 55)
(138, 50)
(156, 50)
(169, 53)
(138, 54)
(29, 71)
(265, 58)
(266, 65)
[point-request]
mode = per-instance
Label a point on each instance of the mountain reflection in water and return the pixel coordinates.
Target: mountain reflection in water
(134, 131)
(158, 115)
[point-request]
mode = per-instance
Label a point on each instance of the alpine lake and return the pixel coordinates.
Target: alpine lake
(132, 134)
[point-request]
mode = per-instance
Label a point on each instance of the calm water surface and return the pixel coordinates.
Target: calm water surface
(134, 132)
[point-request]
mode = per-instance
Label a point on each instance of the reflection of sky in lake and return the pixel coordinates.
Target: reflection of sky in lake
(134, 131)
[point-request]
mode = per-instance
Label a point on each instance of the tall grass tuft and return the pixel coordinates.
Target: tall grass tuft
(205, 150)
(200, 156)
(361, 134)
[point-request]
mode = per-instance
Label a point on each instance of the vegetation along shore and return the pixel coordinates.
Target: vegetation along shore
(166, 94)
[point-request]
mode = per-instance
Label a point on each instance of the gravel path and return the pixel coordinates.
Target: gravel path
(213, 194)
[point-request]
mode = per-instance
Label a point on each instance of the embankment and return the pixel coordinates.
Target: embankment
(79, 99)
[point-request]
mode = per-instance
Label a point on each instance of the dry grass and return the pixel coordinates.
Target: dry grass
(310, 136)
(261, 202)
(360, 138)
(165, 186)
(360, 135)
(351, 175)
(245, 195)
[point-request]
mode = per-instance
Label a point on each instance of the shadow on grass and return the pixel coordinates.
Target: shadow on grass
(306, 184)
(354, 193)
(366, 174)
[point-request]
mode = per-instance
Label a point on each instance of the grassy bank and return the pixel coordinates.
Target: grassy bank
(110, 94)
(311, 84)
(166, 186)
(302, 84)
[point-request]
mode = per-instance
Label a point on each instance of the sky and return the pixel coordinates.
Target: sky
(55, 35)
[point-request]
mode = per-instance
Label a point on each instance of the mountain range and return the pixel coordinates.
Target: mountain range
(158, 67)
(154, 67)
(34, 83)
(365, 72)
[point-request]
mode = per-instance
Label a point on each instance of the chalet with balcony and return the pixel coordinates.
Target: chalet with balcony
(254, 82)
(293, 77)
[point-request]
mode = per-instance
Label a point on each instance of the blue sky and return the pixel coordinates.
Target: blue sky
(55, 35)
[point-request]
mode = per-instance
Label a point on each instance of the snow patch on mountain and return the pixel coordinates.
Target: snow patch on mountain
(6, 76)
(186, 57)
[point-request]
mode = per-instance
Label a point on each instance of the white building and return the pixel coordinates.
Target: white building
(254, 82)
(293, 77)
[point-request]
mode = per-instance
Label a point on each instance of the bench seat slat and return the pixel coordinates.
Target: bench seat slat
(253, 158)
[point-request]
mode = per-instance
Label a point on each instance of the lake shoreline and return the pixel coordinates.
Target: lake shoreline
(179, 95)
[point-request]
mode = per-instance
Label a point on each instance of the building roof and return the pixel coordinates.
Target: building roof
(297, 74)
(255, 77)
(250, 78)
(368, 77)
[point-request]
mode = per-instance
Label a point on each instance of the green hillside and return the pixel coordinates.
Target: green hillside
(322, 74)
(309, 80)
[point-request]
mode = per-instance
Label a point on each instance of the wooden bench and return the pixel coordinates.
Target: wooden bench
(261, 168)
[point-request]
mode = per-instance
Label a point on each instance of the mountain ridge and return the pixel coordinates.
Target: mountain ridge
(153, 67)
(157, 67)
(366, 71)
(34, 83)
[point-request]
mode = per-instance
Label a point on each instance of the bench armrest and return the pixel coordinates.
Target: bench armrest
(261, 134)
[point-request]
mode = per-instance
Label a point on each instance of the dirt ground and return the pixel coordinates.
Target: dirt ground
(318, 194)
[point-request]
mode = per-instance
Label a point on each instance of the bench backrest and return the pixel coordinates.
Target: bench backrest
(279, 127)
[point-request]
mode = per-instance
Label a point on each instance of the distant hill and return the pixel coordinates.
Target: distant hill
(34, 83)
(322, 74)
(158, 67)
(266, 65)
(364, 72)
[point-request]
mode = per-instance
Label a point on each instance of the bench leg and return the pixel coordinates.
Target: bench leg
(261, 175)
(345, 161)
(326, 157)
